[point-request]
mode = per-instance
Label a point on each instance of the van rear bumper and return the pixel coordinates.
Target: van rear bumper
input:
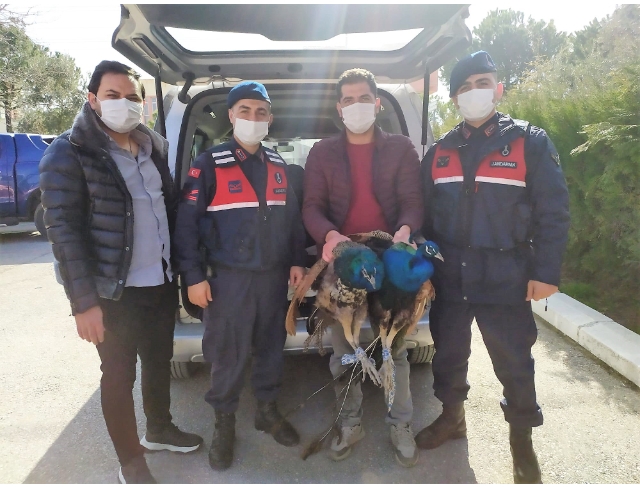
(187, 339)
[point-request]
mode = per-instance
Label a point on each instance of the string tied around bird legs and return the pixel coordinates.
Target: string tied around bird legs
(358, 356)
(388, 370)
(368, 364)
(386, 354)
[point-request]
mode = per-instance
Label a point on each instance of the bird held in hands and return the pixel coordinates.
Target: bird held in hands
(342, 290)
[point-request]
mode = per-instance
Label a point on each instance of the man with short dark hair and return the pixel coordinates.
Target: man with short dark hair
(238, 205)
(109, 210)
(497, 205)
(363, 180)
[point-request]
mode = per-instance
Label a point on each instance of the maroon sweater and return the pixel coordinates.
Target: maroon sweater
(395, 176)
(365, 213)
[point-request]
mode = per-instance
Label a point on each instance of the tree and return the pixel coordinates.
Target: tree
(40, 91)
(584, 41)
(443, 115)
(513, 44)
(53, 102)
(9, 17)
(17, 52)
(152, 121)
(590, 104)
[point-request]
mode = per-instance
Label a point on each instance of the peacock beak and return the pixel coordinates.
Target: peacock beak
(439, 256)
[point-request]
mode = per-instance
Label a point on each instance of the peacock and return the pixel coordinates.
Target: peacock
(397, 306)
(342, 294)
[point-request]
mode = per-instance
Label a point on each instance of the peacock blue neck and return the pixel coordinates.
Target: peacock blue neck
(407, 271)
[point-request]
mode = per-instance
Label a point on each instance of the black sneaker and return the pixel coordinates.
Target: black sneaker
(172, 439)
(136, 472)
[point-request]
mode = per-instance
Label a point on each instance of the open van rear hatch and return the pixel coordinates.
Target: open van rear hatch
(201, 43)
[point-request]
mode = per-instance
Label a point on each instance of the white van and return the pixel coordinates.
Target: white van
(297, 52)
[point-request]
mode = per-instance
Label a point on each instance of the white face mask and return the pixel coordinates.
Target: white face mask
(359, 117)
(475, 105)
(249, 132)
(121, 115)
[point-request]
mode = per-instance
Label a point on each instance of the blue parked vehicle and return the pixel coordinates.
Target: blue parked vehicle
(20, 155)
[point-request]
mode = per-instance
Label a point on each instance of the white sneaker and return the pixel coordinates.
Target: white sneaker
(349, 435)
(404, 444)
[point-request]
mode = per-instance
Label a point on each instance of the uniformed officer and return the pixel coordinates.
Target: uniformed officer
(497, 205)
(237, 204)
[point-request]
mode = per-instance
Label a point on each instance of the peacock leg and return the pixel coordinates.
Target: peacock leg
(358, 319)
(388, 369)
(346, 321)
(368, 365)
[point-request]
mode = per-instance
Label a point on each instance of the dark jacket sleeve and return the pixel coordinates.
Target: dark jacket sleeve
(427, 186)
(197, 192)
(550, 207)
(409, 190)
(65, 200)
(298, 236)
(315, 206)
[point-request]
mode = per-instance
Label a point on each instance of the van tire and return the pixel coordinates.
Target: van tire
(421, 355)
(182, 370)
(38, 219)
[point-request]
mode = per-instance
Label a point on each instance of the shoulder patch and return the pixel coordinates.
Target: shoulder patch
(190, 194)
(522, 124)
(274, 156)
(194, 172)
(220, 153)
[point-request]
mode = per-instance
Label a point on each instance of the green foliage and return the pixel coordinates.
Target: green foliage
(513, 44)
(442, 115)
(152, 121)
(40, 91)
(582, 291)
(589, 103)
(585, 41)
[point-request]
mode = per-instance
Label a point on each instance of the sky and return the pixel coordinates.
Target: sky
(84, 30)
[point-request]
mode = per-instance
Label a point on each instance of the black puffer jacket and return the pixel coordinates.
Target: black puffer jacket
(89, 212)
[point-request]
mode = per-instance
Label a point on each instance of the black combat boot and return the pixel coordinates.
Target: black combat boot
(448, 426)
(268, 419)
(224, 435)
(525, 464)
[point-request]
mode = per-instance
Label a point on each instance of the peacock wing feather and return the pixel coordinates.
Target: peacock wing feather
(301, 290)
(364, 237)
(425, 295)
(377, 240)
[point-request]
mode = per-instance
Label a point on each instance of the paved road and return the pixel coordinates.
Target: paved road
(51, 428)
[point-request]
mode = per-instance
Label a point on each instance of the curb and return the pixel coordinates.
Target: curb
(611, 342)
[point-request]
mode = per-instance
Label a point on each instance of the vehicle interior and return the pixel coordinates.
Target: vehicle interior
(302, 114)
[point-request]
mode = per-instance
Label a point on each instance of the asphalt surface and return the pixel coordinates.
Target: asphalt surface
(52, 430)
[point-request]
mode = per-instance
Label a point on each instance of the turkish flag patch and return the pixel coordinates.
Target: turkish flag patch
(194, 172)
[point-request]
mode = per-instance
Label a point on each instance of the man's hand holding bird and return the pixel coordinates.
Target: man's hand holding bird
(296, 275)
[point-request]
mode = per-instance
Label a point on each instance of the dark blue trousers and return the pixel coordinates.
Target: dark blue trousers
(509, 332)
(245, 320)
